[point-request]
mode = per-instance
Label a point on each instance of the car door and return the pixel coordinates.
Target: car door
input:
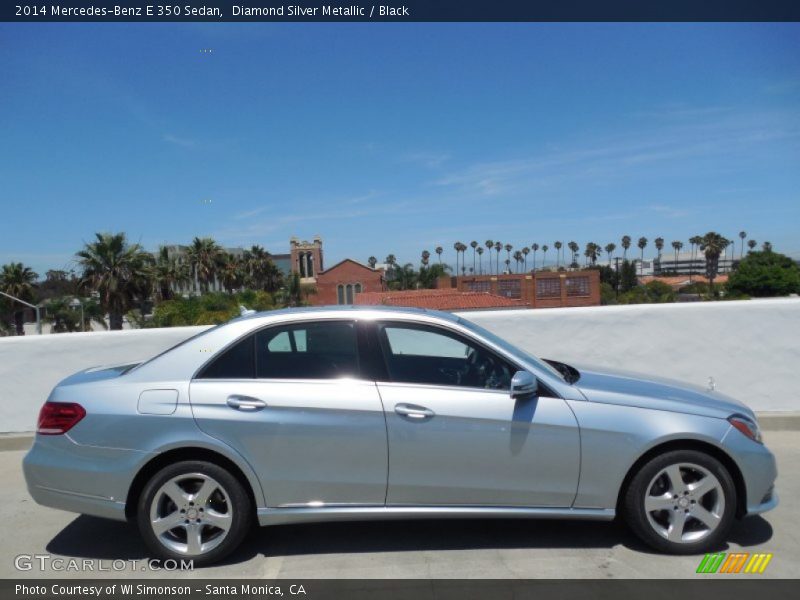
(456, 437)
(290, 398)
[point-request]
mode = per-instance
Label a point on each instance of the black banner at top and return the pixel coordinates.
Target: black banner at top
(397, 11)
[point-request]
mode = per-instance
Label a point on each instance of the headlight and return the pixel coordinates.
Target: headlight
(747, 426)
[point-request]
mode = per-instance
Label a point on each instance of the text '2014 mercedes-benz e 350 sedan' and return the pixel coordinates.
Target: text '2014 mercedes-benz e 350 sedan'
(360, 413)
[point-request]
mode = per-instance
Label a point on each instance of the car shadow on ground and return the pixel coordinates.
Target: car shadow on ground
(90, 537)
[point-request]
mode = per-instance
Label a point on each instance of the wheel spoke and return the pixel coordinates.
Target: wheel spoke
(194, 539)
(653, 503)
(171, 521)
(217, 519)
(676, 524)
(705, 485)
(204, 493)
(175, 493)
(675, 477)
(706, 517)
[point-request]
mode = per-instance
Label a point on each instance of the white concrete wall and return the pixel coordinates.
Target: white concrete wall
(751, 348)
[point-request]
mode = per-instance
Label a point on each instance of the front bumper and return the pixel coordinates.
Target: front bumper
(758, 468)
(89, 480)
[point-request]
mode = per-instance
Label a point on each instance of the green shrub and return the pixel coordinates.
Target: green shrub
(763, 274)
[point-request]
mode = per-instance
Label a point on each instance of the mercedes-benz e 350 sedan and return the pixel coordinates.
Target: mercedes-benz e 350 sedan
(359, 413)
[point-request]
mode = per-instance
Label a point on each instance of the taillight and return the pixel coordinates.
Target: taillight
(56, 418)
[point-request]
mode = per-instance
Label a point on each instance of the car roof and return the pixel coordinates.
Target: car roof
(349, 310)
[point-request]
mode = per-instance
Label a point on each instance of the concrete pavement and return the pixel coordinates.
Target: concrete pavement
(418, 549)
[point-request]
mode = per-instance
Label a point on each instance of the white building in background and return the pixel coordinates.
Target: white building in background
(687, 263)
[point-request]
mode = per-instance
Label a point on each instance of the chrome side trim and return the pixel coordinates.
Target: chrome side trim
(282, 515)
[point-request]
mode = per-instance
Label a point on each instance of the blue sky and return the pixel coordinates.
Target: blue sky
(396, 137)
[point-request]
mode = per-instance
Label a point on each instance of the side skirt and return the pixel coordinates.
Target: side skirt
(315, 514)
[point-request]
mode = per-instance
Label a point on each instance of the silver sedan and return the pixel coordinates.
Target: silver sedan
(369, 413)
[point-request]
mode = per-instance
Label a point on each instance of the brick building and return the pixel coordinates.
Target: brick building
(542, 289)
(343, 281)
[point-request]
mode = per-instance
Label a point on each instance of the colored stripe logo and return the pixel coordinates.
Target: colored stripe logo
(734, 562)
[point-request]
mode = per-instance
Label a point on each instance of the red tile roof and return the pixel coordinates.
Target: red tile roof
(439, 299)
(678, 281)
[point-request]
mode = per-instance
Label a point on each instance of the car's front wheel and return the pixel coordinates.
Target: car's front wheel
(681, 502)
(193, 510)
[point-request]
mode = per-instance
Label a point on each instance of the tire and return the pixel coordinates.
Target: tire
(193, 510)
(681, 502)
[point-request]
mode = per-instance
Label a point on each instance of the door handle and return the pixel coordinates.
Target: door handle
(412, 411)
(246, 403)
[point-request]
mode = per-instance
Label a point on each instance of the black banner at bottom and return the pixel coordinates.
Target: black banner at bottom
(400, 589)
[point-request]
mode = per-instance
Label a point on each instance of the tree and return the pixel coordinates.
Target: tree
(763, 274)
(592, 252)
(557, 246)
(766, 246)
(695, 242)
(439, 251)
(610, 251)
(498, 246)
(642, 245)
(712, 245)
(231, 273)
(205, 256)
(544, 255)
(677, 245)
(372, 262)
(489, 247)
(428, 277)
(742, 236)
(457, 248)
(535, 248)
(473, 244)
(19, 281)
(573, 247)
(751, 244)
(626, 243)
(627, 276)
(525, 252)
(480, 259)
(405, 277)
(118, 271)
(659, 242)
(64, 316)
(167, 273)
(426, 256)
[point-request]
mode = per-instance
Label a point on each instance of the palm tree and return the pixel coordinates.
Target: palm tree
(557, 246)
(19, 281)
(439, 251)
(231, 273)
(544, 255)
(457, 248)
(118, 271)
(498, 246)
(766, 246)
(473, 244)
(695, 241)
(390, 261)
(535, 248)
(508, 248)
(426, 256)
(489, 246)
(592, 252)
(677, 245)
(518, 258)
(525, 252)
(751, 244)
(642, 245)
(659, 242)
(573, 247)
(372, 262)
(626, 243)
(205, 256)
(168, 273)
(480, 259)
(610, 251)
(742, 236)
(712, 245)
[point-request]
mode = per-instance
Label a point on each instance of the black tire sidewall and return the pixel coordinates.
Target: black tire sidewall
(636, 516)
(240, 503)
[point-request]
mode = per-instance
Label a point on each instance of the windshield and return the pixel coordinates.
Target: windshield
(510, 348)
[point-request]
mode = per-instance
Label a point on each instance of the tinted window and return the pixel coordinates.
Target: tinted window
(237, 362)
(419, 354)
(324, 350)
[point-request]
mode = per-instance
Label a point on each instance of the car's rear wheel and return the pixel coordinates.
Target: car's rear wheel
(193, 510)
(681, 502)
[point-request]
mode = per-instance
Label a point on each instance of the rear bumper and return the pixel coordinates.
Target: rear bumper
(89, 480)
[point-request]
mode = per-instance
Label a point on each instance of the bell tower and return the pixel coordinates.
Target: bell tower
(306, 258)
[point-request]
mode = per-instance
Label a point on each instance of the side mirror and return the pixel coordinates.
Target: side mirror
(523, 384)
